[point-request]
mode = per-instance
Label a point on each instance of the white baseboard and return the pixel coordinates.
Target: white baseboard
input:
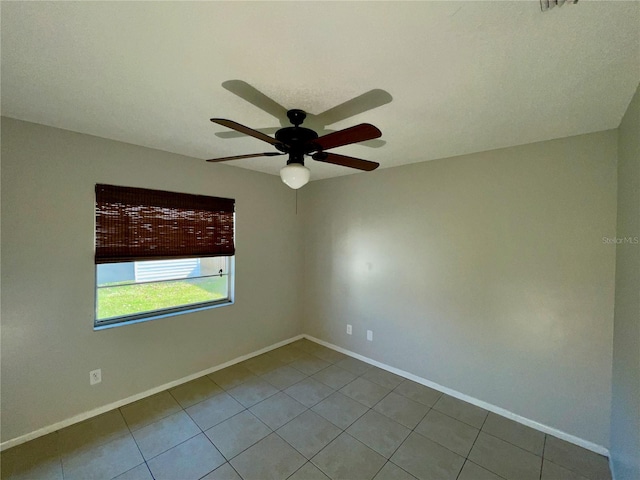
(474, 401)
(111, 406)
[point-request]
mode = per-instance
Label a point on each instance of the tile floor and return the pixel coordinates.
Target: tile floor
(302, 411)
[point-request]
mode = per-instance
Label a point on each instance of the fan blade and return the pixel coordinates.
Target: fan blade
(246, 130)
(375, 143)
(345, 161)
(362, 103)
(359, 133)
(255, 97)
(229, 134)
(249, 155)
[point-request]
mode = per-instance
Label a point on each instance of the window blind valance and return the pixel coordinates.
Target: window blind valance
(141, 224)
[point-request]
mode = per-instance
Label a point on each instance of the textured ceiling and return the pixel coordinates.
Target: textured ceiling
(464, 76)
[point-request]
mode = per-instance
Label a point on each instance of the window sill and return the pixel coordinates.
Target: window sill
(145, 317)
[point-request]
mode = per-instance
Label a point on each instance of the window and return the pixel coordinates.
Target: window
(160, 253)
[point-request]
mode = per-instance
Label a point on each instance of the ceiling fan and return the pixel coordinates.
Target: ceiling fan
(319, 122)
(297, 141)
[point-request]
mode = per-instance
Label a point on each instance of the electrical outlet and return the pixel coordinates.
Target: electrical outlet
(370, 335)
(349, 330)
(95, 376)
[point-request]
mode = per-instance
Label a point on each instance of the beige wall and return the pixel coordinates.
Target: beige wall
(485, 273)
(625, 415)
(48, 342)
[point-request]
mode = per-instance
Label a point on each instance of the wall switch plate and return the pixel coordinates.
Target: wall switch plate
(349, 330)
(95, 376)
(370, 335)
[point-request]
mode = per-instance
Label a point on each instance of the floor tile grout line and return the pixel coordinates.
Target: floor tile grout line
(473, 445)
(478, 434)
(143, 399)
(244, 450)
(302, 454)
(234, 469)
(247, 448)
(165, 451)
(544, 445)
(280, 390)
(199, 427)
(413, 430)
(220, 466)
(298, 451)
(150, 472)
(459, 420)
(144, 460)
(570, 468)
(505, 441)
(60, 451)
(173, 396)
(484, 468)
(466, 459)
(567, 467)
(258, 418)
(461, 468)
(386, 460)
(393, 389)
(300, 468)
(182, 442)
(132, 468)
(333, 440)
(398, 466)
(372, 408)
(309, 409)
(512, 444)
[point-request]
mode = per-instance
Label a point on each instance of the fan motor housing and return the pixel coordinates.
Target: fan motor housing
(295, 136)
(296, 140)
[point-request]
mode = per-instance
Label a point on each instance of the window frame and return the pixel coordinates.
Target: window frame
(181, 207)
(131, 319)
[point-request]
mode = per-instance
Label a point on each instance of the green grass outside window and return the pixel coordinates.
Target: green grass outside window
(116, 300)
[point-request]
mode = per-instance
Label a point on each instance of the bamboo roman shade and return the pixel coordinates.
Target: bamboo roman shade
(140, 224)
